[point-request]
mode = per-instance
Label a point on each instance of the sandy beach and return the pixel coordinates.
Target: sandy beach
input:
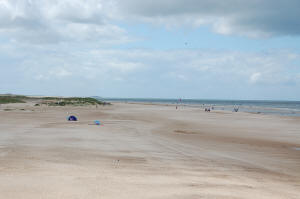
(147, 151)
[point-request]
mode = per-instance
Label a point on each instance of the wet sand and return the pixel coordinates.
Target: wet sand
(147, 151)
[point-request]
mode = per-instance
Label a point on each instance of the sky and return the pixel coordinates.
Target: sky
(205, 49)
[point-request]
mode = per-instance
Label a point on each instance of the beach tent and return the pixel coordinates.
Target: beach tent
(72, 118)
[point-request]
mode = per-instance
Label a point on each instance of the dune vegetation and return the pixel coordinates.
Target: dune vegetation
(58, 101)
(6, 99)
(51, 101)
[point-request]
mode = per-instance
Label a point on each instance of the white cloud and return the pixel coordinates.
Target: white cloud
(255, 77)
(271, 67)
(44, 21)
(137, 69)
(60, 73)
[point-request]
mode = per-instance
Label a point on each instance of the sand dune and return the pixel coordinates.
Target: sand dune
(147, 151)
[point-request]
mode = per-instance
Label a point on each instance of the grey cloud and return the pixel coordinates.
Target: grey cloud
(45, 21)
(175, 7)
(251, 18)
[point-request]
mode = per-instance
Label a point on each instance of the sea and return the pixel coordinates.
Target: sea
(288, 108)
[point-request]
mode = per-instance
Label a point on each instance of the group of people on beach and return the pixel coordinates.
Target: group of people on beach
(207, 109)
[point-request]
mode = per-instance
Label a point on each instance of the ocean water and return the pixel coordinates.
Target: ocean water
(290, 108)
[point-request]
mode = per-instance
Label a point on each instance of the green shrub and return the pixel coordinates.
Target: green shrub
(11, 99)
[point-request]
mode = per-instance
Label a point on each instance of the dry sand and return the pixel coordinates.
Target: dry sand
(147, 151)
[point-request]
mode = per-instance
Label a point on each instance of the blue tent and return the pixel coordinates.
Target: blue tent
(72, 118)
(97, 122)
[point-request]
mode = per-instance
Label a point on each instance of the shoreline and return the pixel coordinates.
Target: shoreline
(229, 108)
(200, 108)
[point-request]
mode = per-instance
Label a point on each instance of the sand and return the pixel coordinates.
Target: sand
(147, 151)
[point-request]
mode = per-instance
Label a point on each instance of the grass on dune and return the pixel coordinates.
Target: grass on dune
(5, 99)
(52, 101)
(57, 101)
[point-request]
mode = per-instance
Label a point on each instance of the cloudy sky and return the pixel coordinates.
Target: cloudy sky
(212, 49)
